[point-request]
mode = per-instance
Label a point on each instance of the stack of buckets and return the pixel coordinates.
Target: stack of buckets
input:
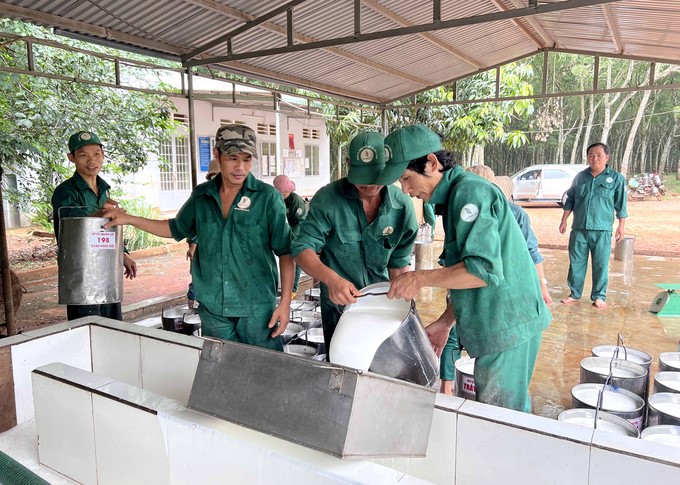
(623, 403)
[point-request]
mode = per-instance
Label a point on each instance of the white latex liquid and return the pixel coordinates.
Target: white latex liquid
(630, 357)
(361, 331)
(669, 408)
(666, 439)
(466, 366)
(617, 371)
(601, 425)
(671, 383)
(611, 401)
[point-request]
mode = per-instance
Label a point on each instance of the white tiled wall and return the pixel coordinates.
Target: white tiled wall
(169, 369)
(117, 354)
(470, 443)
(70, 346)
(130, 445)
(63, 415)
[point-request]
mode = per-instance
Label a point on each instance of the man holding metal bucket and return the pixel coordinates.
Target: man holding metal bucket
(84, 194)
(494, 288)
(240, 224)
(357, 232)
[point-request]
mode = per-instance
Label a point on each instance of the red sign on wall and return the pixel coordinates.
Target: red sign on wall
(291, 141)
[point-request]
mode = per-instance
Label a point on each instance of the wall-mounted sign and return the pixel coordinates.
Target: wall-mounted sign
(204, 154)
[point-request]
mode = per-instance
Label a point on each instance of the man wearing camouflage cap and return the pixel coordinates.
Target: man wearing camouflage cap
(495, 294)
(240, 223)
(83, 194)
(356, 232)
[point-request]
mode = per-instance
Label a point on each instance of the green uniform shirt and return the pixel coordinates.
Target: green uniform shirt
(482, 232)
(234, 271)
(337, 228)
(77, 199)
(594, 200)
(295, 212)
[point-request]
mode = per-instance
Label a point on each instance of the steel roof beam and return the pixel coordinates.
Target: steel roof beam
(287, 32)
(545, 41)
(93, 30)
(398, 19)
(613, 28)
(414, 29)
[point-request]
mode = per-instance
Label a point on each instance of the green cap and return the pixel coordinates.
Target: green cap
(366, 158)
(404, 145)
(81, 139)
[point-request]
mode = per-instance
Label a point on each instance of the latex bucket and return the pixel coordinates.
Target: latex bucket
(664, 408)
(663, 433)
(90, 261)
(625, 374)
(172, 319)
(631, 355)
(605, 421)
(386, 337)
(669, 361)
(465, 379)
(624, 248)
(667, 381)
(616, 401)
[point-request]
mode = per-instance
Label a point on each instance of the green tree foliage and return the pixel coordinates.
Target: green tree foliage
(37, 115)
(463, 126)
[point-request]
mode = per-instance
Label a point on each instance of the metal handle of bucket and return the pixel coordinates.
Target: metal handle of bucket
(607, 381)
(76, 207)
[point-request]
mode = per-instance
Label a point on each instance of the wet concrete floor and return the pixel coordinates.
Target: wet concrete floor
(577, 328)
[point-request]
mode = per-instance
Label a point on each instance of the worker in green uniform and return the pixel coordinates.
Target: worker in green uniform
(356, 233)
(240, 223)
(84, 194)
(452, 352)
(595, 195)
(296, 211)
(495, 293)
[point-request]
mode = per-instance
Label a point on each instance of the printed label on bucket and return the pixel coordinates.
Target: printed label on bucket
(102, 240)
(637, 422)
(469, 385)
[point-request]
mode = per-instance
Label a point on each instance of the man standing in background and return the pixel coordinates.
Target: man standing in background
(595, 196)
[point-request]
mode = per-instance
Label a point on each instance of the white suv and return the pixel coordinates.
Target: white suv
(545, 183)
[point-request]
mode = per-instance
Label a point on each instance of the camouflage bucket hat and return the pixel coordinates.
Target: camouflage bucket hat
(236, 138)
(82, 138)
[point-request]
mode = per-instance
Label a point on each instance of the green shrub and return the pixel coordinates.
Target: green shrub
(136, 238)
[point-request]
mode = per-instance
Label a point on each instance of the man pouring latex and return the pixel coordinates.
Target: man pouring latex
(495, 292)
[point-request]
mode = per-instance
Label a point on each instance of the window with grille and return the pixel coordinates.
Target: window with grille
(311, 159)
(174, 164)
(265, 129)
(181, 118)
(268, 158)
(311, 134)
(224, 122)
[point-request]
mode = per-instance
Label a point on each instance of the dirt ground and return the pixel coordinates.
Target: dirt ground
(655, 225)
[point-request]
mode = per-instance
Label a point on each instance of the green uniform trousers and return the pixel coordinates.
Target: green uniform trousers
(450, 354)
(502, 379)
(251, 330)
(598, 244)
(298, 270)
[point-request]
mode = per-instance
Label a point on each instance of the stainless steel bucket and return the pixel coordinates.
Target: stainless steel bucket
(624, 249)
(669, 361)
(625, 374)
(664, 408)
(616, 401)
(465, 379)
(667, 381)
(400, 349)
(662, 433)
(605, 421)
(90, 261)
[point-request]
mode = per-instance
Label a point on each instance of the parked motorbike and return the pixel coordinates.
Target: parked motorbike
(646, 185)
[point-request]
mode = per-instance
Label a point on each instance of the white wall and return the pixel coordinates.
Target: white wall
(208, 118)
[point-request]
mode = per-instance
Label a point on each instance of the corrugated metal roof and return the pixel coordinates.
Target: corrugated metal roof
(378, 70)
